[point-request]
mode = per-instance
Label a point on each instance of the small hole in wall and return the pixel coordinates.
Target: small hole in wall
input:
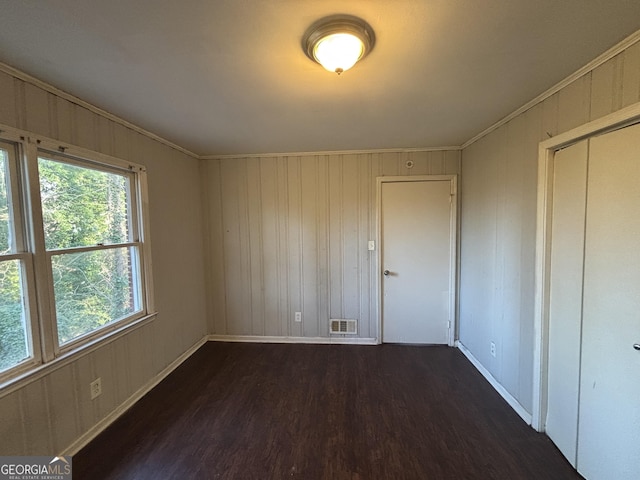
(409, 164)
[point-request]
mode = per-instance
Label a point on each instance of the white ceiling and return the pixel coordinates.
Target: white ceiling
(230, 76)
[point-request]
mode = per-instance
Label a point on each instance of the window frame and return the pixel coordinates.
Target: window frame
(20, 251)
(46, 351)
(133, 242)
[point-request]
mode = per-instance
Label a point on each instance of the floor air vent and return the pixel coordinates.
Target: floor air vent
(343, 326)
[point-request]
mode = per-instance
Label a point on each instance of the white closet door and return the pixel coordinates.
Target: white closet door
(609, 420)
(565, 307)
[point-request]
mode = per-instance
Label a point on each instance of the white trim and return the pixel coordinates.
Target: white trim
(589, 67)
(312, 340)
(604, 57)
(453, 247)
(330, 152)
(510, 399)
(25, 77)
(546, 152)
(99, 427)
(67, 152)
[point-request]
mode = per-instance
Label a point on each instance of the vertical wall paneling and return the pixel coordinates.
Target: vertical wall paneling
(574, 105)
(64, 121)
(52, 111)
(270, 249)
(20, 104)
(36, 417)
(335, 264)
(284, 309)
(63, 420)
(84, 128)
(84, 372)
(452, 162)
(8, 99)
(352, 244)
(365, 225)
(119, 360)
(391, 163)
(294, 242)
(103, 368)
(13, 421)
(498, 215)
(234, 246)
(436, 163)
(606, 87)
(214, 226)
(512, 237)
(420, 163)
(37, 110)
(631, 76)
(309, 211)
(257, 274)
(295, 237)
(324, 253)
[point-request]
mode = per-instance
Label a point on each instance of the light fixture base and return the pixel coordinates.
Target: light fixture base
(336, 25)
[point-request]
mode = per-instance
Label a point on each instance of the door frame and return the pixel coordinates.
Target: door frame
(453, 239)
(546, 154)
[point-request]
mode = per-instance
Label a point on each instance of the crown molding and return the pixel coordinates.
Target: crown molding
(589, 67)
(331, 152)
(25, 77)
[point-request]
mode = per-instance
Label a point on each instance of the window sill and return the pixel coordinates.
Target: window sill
(37, 372)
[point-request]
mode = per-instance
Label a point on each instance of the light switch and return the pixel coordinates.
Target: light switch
(372, 245)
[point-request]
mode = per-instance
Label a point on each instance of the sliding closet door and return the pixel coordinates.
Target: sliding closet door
(609, 420)
(565, 308)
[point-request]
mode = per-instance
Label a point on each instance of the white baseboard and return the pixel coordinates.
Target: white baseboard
(313, 340)
(510, 399)
(93, 432)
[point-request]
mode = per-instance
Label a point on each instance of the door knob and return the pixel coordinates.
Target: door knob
(386, 273)
(636, 346)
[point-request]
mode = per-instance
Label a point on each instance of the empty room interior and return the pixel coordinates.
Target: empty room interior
(225, 253)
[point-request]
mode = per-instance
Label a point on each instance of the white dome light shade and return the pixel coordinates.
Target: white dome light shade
(338, 52)
(338, 42)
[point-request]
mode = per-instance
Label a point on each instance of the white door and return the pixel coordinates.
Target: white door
(565, 291)
(593, 412)
(609, 425)
(418, 248)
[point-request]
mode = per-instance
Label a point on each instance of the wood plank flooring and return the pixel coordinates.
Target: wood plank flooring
(265, 411)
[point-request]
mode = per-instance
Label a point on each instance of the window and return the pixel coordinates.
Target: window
(89, 239)
(73, 264)
(15, 341)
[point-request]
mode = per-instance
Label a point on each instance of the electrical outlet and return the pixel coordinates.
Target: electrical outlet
(493, 349)
(298, 317)
(95, 388)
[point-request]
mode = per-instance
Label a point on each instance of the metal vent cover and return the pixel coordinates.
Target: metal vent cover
(343, 326)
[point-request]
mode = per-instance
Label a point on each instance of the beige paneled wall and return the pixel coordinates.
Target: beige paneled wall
(289, 233)
(49, 414)
(499, 213)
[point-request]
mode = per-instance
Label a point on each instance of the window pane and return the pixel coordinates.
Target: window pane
(93, 289)
(14, 347)
(5, 216)
(82, 206)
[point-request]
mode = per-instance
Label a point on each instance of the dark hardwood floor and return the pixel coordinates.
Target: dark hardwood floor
(264, 411)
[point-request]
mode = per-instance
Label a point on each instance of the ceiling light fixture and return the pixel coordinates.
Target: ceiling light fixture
(338, 42)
